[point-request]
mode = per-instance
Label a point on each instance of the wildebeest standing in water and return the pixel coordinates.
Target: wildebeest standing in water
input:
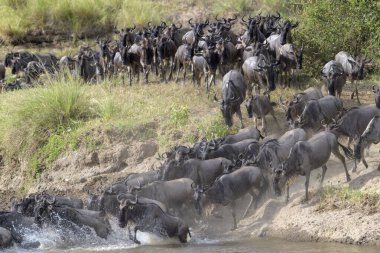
(233, 94)
(149, 217)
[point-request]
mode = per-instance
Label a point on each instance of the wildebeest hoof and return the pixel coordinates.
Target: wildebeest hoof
(137, 241)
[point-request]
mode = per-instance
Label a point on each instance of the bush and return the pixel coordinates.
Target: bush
(328, 27)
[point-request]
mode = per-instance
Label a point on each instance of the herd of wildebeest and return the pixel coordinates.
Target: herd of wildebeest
(211, 172)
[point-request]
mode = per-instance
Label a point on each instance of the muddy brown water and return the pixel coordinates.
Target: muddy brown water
(241, 246)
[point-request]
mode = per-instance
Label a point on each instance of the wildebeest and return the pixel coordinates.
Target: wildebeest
(260, 71)
(2, 71)
(18, 225)
(294, 108)
(319, 111)
(176, 194)
(370, 135)
(68, 63)
(149, 217)
(243, 134)
(202, 172)
(376, 91)
(23, 56)
(354, 69)
(48, 62)
(26, 205)
(230, 187)
(334, 77)
(229, 151)
(228, 55)
(6, 239)
(274, 151)
(87, 60)
(259, 106)
(48, 212)
(183, 57)
(353, 122)
(290, 60)
(199, 70)
(33, 71)
(166, 49)
(308, 155)
(233, 94)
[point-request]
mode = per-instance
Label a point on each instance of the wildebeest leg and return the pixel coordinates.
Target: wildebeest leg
(179, 67)
(307, 175)
(233, 207)
(184, 73)
(253, 201)
(263, 125)
(336, 152)
(324, 168)
(135, 238)
(287, 192)
(238, 112)
(349, 143)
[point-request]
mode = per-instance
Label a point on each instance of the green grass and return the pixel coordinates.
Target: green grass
(38, 125)
(335, 197)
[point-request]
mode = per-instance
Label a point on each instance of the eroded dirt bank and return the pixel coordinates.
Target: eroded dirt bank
(121, 153)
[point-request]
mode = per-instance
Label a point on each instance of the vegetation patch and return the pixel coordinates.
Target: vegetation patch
(336, 197)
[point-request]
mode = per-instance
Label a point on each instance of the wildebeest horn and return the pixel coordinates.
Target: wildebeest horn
(134, 27)
(191, 24)
(216, 18)
(232, 19)
(242, 19)
(207, 22)
(215, 98)
(50, 200)
(163, 24)
(132, 202)
(178, 27)
(38, 198)
(296, 24)
(278, 15)
(374, 89)
(119, 197)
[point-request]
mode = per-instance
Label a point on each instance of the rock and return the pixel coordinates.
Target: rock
(92, 159)
(147, 149)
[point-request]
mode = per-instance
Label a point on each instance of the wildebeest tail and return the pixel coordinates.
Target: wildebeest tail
(348, 153)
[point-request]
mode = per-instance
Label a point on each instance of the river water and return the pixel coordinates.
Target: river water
(154, 244)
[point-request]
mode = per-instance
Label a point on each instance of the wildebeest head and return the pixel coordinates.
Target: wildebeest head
(8, 61)
(292, 109)
(43, 208)
(288, 169)
(171, 170)
(358, 67)
(25, 206)
(16, 66)
(285, 32)
(332, 77)
(226, 109)
(376, 91)
(127, 203)
(270, 73)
